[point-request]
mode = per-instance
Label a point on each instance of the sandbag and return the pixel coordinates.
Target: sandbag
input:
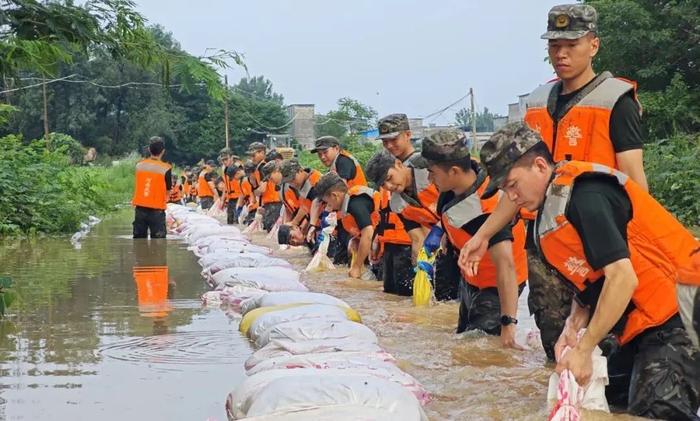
(243, 260)
(312, 329)
(272, 357)
(346, 412)
(289, 297)
(211, 231)
(275, 391)
(285, 348)
(257, 321)
(233, 296)
(269, 279)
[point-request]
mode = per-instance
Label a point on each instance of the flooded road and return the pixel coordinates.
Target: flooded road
(116, 331)
(91, 338)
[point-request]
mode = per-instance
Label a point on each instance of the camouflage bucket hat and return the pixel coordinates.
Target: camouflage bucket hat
(256, 146)
(378, 166)
(289, 169)
(268, 169)
(225, 152)
(503, 149)
(445, 145)
(571, 21)
(325, 142)
(392, 125)
(326, 182)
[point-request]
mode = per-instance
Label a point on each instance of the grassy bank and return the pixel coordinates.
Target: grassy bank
(42, 192)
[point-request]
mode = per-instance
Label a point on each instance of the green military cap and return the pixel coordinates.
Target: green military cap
(571, 21)
(325, 142)
(325, 183)
(249, 167)
(392, 125)
(503, 149)
(445, 145)
(289, 169)
(268, 169)
(256, 146)
(378, 166)
(225, 152)
(272, 155)
(211, 163)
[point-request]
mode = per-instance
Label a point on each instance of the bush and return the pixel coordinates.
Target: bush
(673, 171)
(68, 146)
(42, 192)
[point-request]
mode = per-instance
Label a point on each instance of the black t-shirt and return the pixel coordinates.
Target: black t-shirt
(345, 167)
(208, 177)
(168, 180)
(361, 208)
(408, 224)
(625, 121)
(311, 195)
(471, 227)
(599, 210)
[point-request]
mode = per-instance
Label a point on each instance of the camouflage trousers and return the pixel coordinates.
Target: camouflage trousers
(549, 301)
(657, 375)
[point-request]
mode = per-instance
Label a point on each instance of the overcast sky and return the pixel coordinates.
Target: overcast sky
(412, 56)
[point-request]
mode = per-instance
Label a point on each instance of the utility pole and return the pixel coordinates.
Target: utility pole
(46, 114)
(226, 110)
(471, 97)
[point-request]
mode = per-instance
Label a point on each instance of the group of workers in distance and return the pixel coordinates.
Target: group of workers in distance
(558, 202)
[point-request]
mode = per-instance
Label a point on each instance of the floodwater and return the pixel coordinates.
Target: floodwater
(108, 333)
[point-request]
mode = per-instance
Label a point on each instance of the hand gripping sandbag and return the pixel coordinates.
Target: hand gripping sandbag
(321, 261)
(257, 321)
(256, 225)
(280, 391)
(311, 329)
(286, 348)
(269, 279)
(422, 287)
(290, 297)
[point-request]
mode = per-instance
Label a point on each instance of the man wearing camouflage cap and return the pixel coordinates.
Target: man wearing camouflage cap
(620, 252)
(488, 300)
(357, 211)
(580, 116)
(298, 186)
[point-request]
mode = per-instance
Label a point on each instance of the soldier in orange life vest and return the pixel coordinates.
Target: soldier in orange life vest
(580, 116)
(206, 187)
(348, 168)
(489, 300)
(176, 191)
(248, 198)
(151, 192)
(619, 251)
(357, 208)
(298, 184)
(231, 175)
(271, 199)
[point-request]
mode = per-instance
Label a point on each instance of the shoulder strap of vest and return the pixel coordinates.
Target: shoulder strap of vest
(607, 93)
(554, 94)
(480, 179)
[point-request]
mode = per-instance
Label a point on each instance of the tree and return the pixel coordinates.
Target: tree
(484, 120)
(657, 44)
(258, 87)
(351, 117)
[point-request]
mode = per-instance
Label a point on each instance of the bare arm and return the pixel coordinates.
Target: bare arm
(632, 163)
(507, 284)
(417, 236)
(362, 251)
(301, 213)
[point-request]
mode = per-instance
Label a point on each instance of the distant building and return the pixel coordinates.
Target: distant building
(499, 122)
(302, 128)
(516, 110)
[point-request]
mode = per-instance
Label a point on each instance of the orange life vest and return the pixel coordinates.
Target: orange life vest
(359, 179)
(233, 187)
(469, 206)
(423, 210)
(247, 191)
(390, 228)
(203, 189)
(348, 221)
(187, 188)
(290, 198)
(658, 244)
(150, 190)
(176, 193)
(271, 194)
(583, 133)
(303, 193)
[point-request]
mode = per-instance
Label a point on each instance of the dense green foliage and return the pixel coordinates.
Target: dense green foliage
(673, 170)
(43, 192)
(484, 120)
(351, 117)
(657, 44)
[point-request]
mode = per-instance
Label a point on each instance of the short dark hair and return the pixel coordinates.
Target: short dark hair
(156, 146)
(539, 150)
(464, 164)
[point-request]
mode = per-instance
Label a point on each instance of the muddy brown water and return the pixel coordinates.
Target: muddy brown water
(88, 339)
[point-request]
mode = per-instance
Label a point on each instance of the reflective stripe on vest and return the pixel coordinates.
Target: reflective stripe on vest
(469, 206)
(348, 221)
(359, 179)
(423, 210)
(584, 132)
(658, 244)
(150, 188)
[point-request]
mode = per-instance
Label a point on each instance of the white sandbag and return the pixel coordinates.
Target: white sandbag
(316, 360)
(336, 413)
(212, 299)
(244, 260)
(212, 230)
(269, 279)
(232, 297)
(275, 391)
(318, 312)
(356, 363)
(207, 241)
(230, 247)
(287, 348)
(312, 329)
(289, 297)
(321, 261)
